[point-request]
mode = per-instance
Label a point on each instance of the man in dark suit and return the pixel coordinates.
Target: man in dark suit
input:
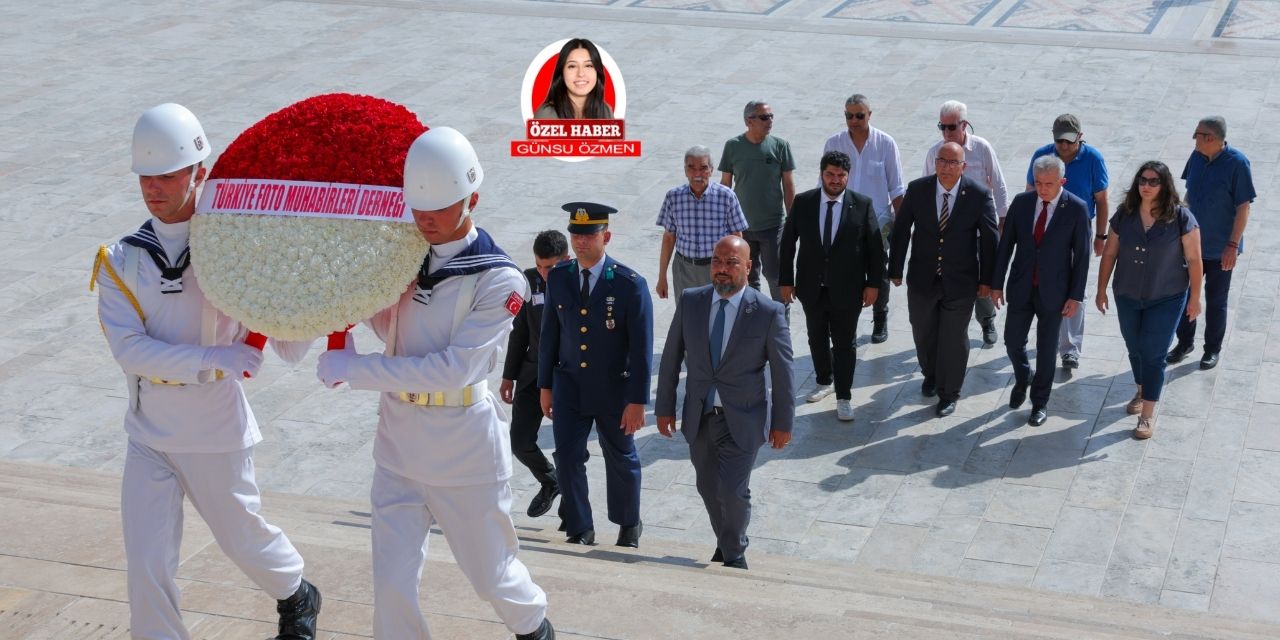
(593, 368)
(945, 277)
(519, 386)
(724, 420)
(840, 268)
(1047, 236)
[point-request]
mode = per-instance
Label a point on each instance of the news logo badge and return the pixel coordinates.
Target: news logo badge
(573, 102)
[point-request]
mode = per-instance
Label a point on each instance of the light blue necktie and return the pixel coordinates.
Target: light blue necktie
(717, 345)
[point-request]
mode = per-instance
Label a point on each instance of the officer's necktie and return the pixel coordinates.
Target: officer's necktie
(826, 231)
(1041, 222)
(717, 345)
(586, 285)
(943, 217)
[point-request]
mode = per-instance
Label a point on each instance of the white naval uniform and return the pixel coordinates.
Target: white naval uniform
(194, 440)
(440, 464)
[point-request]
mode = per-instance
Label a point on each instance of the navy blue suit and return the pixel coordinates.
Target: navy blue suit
(1060, 264)
(595, 358)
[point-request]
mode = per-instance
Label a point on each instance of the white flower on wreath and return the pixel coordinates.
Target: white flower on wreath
(295, 278)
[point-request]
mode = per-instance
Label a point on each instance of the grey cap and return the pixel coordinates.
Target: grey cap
(1067, 127)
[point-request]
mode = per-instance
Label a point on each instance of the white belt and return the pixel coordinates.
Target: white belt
(463, 397)
(217, 375)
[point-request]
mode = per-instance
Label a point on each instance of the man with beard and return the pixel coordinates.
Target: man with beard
(724, 421)
(839, 271)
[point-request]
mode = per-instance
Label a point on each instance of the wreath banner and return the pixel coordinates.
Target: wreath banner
(301, 230)
(304, 199)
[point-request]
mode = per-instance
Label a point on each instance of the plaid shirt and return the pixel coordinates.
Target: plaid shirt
(700, 222)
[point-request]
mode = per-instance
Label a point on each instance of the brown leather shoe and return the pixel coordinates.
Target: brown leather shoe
(1146, 427)
(1134, 407)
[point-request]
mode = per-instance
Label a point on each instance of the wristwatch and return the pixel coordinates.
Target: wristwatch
(1101, 236)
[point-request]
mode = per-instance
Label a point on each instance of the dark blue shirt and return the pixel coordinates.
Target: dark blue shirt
(1086, 174)
(1151, 264)
(1214, 189)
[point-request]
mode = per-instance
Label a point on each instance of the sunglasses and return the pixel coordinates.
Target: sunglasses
(764, 118)
(1148, 182)
(949, 127)
(861, 115)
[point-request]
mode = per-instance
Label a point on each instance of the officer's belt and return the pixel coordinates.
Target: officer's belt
(217, 375)
(463, 397)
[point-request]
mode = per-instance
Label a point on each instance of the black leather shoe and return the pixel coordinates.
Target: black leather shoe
(738, 563)
(587, 537)
(1208, 361)
(542, 502)
(1038, 416)
(946, 408)
(544, 632)
(298, 614)
(880, 331)
(1018, 395)
(989, 335)
(718, 556)
(1071, 361)
(928, 388)
(1179, 353)
(630, 536)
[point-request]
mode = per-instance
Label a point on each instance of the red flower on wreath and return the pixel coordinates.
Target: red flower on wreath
(335, 137)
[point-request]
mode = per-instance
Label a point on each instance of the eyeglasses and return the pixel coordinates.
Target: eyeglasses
(764, 117)
(943, 162)
(1148, 182)
(949, 127)
(861, 115)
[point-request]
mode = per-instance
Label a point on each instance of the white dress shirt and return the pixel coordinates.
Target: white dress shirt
(951, 202)
(730, 315)
(876, 172)
(981, 165)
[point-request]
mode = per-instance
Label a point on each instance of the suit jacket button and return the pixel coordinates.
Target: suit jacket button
(582, 365)
(582, 329)
(582, 311)
(583, 347)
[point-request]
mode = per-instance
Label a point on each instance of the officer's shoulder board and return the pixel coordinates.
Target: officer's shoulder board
(623, 271)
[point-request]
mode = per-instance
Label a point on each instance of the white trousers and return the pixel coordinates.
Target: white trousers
(224, 492)
(476, 521)
(1071, 334)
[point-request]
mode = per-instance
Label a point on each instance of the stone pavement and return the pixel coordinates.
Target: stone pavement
(1188, 519)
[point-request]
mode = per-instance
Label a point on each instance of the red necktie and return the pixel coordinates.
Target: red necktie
(1041, 222)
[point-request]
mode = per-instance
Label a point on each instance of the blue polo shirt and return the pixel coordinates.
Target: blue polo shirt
(1214, 189)
(1086, 173)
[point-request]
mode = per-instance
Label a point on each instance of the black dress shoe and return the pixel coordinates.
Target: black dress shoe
(1071, 361)
(1179, 353)
(989, 335)
(1208, 361)
(298, 614)
(630, 536)
(542, 502)
(946, 408)
(737, 563)
(879, 331)
(1018, 395)
(1038, 416)
(587, 537)
(544, 632)
(929, 388)
(718, 556)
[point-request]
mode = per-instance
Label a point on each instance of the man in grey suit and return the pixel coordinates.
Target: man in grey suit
(727, 410)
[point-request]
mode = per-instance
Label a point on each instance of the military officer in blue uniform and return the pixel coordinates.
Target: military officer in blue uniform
(593, 368)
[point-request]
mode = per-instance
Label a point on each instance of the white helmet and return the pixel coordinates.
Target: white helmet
(441, 169)
(167, 138)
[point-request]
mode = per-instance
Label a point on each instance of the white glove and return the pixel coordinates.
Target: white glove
(332, 367)
(234, 360)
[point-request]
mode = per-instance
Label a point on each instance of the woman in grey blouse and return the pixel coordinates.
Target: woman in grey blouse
(1154, 250)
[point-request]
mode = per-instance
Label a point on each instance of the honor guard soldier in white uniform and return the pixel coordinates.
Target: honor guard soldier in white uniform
(191, 432)
(442, 450)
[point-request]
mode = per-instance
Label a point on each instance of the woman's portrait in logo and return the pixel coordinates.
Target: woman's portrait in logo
(573, 79)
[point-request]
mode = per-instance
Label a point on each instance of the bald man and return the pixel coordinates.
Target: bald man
(724, 421)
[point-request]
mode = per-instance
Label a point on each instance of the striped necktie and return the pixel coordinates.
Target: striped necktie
(943, 217)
